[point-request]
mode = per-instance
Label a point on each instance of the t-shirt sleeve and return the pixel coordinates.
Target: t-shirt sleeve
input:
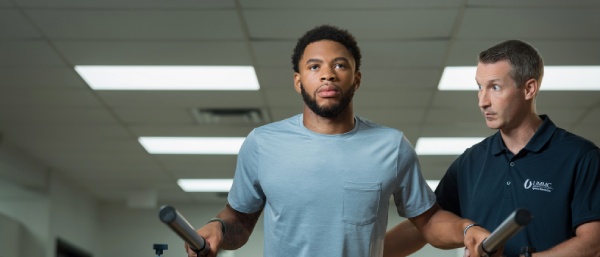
(585, 205)
(246, 194)
(413, 196)
(447, 190)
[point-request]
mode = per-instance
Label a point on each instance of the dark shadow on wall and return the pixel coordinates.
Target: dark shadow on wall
(65, 249)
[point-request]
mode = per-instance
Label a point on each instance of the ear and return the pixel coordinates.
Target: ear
(531, 88)
(297, 82)
(357, 80)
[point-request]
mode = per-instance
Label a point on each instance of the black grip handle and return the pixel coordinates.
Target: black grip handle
(508, 228)
(170, 216)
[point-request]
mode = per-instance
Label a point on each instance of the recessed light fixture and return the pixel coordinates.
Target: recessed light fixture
(556, 78)
(445, 145)
(192, 145)
(205, 185)
(169, 77)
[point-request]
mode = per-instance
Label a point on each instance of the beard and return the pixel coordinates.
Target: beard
(327, 111)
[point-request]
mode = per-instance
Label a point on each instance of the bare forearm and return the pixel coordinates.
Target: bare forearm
(444, 230)
(402, 240)
(584, 244)
(239, 227)
(571, 248)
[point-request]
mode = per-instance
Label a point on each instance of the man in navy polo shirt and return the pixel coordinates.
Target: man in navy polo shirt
(529, 163)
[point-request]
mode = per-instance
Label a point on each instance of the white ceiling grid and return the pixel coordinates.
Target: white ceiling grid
(49, 112)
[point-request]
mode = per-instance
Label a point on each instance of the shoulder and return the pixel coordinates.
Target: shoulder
(572, 143)
(482, 148)
(284, 125)
(366, 125)
(483, 144)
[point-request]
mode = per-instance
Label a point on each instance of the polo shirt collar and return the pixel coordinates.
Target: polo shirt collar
(535, 144)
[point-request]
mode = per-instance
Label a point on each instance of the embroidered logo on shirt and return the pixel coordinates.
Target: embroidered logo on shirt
(537, 185)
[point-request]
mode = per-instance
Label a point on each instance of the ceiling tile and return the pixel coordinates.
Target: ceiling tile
(178, 130)
(532, 3)
(156, 116)
(28, 53)
(185, 99)
(40, 78)
(532, 23)
(383, 24)
(81, 24)
(454, 116)
(554, 52)
(5, 3)
(48, 98)
(404, 54)
(392, 99)
(154, 53)
(14, 26)
(350, 4)
(127, 4)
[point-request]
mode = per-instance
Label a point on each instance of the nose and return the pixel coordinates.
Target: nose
(484, 100)
(327, 74)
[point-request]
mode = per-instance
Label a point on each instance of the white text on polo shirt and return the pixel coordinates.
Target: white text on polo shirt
(537, 185)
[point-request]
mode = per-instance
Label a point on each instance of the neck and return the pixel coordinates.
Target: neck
(337, 125)
(517, 138)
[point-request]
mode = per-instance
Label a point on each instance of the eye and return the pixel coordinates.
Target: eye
(496, 87)
(479, 87)
(340, 65)
(313, 67)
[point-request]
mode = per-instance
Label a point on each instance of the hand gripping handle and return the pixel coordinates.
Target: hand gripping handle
(182, 227)
(508, 228)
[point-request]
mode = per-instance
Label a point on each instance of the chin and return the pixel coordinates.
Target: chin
(492, 125)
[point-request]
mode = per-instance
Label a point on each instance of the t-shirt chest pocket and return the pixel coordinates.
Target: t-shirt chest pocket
(361, 202)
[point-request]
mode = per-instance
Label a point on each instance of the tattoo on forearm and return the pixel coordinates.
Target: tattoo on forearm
(239, 228)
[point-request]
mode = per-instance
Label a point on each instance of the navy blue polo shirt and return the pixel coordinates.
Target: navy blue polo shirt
(556, 177)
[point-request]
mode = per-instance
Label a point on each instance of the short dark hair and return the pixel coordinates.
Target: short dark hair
(326, 32)
(525, 61)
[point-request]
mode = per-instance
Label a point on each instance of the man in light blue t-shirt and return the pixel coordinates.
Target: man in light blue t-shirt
(324, 177)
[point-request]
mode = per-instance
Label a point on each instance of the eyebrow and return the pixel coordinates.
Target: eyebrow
(337, 59)
(495, 80)
(314, 60)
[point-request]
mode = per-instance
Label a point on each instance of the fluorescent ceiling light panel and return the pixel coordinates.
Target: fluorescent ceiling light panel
(432, 184)
(205, 185)
(169, 77)
(458, 78)
(445, 145)
(192, 145)
(556, 78)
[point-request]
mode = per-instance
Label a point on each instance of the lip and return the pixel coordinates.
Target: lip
(328, 91)
(488, 115)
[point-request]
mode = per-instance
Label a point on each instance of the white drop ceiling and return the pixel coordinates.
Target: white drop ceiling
(50, 114)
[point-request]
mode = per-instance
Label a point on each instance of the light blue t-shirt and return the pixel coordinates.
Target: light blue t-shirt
(327, 195)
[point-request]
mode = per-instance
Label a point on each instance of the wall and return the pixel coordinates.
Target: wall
(38, 206)
(132, 232)
(22, 223)
(42, 206)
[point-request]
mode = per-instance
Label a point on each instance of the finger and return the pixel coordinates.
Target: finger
(191, 253)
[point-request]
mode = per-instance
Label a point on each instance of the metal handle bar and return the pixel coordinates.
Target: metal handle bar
(170, 216)
(508, 228)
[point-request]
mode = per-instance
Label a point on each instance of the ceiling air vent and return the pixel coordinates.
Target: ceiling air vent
(230, 116)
